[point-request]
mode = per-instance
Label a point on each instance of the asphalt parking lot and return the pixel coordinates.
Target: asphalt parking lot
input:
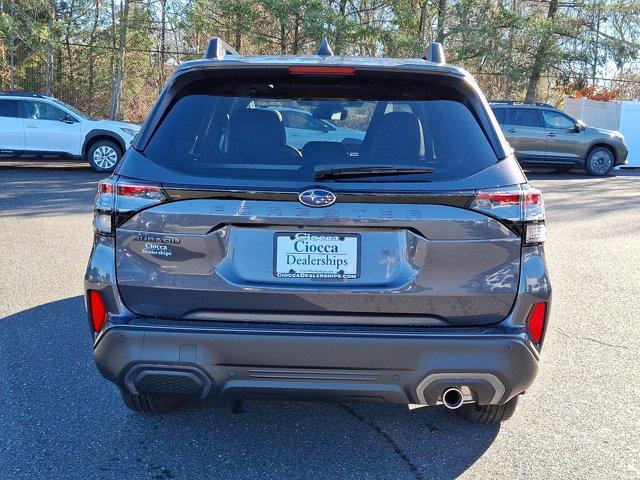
(60, 419)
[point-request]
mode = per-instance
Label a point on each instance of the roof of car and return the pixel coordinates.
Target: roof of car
(500, 103)
(290, 60)
(22, 94)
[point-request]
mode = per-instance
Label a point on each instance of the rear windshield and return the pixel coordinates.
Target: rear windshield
(288, 129)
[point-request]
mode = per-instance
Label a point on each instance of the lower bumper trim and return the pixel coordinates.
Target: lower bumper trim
(315, 365)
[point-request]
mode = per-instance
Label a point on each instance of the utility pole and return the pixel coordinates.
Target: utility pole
(49, 73)
(122, 43)
(594, 66)
(12, 41)
(163, 32)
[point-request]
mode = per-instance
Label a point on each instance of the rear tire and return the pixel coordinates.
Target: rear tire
(489, 413)
(104, 155)
(600, 162)
(154, 403)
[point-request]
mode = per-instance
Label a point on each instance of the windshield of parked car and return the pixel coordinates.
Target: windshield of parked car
(288, 130)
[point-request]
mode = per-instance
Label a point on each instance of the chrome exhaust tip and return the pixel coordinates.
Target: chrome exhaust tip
(452, 398)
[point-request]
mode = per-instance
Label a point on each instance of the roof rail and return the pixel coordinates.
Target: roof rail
(519, 102)
(218, 48)
(434, 53)
(22, 94)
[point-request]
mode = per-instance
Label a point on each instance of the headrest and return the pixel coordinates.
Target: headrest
(255, 131)
(396, 137)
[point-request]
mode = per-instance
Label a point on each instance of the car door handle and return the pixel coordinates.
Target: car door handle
(512, 130)
(31, 126)
(551, 134)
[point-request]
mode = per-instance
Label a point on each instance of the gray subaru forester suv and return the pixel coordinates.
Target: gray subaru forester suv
(403, 265)
(543, 136)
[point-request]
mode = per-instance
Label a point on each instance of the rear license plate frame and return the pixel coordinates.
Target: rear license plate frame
(350, 275)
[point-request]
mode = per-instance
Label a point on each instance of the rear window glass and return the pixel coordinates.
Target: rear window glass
(10, 108)
(499, 113)
(524, 117)
(286, 131)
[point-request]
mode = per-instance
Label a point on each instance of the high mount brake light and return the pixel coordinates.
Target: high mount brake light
(322, 70)
(521, 205)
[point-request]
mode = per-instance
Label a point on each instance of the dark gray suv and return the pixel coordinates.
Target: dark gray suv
(403, 265)
(544, 136)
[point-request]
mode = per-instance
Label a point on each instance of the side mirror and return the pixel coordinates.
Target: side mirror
(66, 119)
(341, 115)
(577, 128)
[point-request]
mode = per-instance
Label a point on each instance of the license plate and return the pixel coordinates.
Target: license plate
(316, 255)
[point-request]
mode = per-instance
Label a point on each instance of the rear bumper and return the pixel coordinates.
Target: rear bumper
(320, 364)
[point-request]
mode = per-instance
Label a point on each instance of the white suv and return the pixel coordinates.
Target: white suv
(302, 127)
(34, 125)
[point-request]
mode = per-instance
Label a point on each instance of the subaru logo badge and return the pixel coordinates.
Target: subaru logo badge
(317, 197)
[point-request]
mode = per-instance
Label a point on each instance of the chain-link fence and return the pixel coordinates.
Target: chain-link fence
(84, 77)
(552, 89)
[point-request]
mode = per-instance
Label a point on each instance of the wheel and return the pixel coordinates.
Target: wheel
(153, 403)
(489, 413)
(103, 156)
(599, 162)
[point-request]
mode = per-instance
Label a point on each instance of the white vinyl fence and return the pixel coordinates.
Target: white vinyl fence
(622, 116)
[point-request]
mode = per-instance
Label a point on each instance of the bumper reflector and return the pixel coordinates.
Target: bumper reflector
(536, 321)
(97, 310)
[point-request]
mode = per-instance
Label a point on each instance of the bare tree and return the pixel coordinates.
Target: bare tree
(540, 58)
(92, 55)
(122, 50)
(442, 18)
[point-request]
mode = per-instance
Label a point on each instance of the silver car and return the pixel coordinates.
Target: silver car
(408, 268)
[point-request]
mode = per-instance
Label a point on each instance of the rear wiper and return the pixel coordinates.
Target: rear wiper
(355, 170)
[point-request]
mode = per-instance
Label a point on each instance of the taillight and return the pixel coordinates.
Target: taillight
(122, 198)
(533, 205)
(97, 310)
(520, 205)
(151, 192)
(322, 70)
(105, 200)
(536, 321)
(105, 195)
(134, 196)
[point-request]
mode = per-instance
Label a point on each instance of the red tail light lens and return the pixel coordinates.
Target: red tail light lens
(97, 310)
(133, 196)
(105, 187)
(150, 192)
(498, 198)
(322, 70)
(536, 321)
